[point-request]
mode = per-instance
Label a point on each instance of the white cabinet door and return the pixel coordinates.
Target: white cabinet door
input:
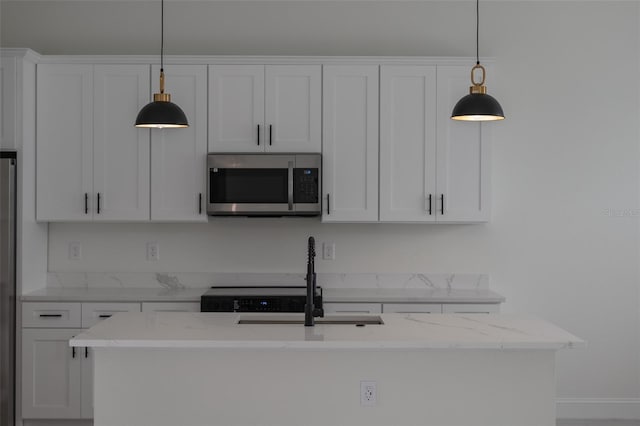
(171, 307)
(50, 374)
(412, 308)
(236, 108)
(407, 143)
(293, 114)
(471, 308)
(8, 102)
(93, 313)
(463, 149)
(120, 150)
(64, 175)
(178, 156)
(352, 308)
(86, 388)
(350, 145)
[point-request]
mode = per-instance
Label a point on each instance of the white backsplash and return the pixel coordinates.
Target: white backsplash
(179, 280)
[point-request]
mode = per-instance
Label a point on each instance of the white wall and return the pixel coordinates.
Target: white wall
(564, 239)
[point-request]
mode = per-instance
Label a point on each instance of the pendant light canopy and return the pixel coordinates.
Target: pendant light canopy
(161, 113)
(477, 105)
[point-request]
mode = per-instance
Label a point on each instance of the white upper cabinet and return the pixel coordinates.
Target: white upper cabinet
(8, 110)
(178, 156)
(64, 178)
(236, 108)
(292, 113)
(92, 163)
(350, 146)
(256, 108)
(463, 172)
(120, 150)
(407, 143)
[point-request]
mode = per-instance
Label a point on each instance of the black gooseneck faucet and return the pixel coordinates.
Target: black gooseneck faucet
(310, 311)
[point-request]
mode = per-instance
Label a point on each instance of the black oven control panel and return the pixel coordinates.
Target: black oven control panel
(240, 299)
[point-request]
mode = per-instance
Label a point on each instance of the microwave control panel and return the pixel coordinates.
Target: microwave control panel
(305, 185)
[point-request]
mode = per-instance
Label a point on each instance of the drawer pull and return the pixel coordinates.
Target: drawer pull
(105, 316)
(50, 315)
(86, 352)
(73, 352)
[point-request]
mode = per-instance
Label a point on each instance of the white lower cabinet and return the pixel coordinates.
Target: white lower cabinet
(93, 313)
(51, 374)
(171, 307)
(352, 308)
(57, 380)
(86, 394)
(412, 308)
(470, 308)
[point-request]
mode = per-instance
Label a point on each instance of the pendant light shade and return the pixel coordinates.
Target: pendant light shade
(477, 105)
(161, 113)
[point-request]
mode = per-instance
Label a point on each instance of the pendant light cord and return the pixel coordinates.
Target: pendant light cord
(161, 35)
(477, 32)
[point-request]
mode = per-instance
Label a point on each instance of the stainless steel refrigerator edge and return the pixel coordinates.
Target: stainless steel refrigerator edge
(7, 286)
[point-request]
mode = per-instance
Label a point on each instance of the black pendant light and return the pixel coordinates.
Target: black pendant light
(477, 105)
(161, 113)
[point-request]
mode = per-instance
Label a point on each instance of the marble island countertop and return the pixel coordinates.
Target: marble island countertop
(331, 295)
(399, 331)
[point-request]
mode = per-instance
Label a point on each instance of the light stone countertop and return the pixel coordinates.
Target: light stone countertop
(331, 295)
(399, 331)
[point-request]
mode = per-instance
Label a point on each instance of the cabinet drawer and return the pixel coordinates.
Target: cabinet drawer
(412, 308)
(93, 313)
(171, 307)
(51, 315)
(471, 308)
(352, 308)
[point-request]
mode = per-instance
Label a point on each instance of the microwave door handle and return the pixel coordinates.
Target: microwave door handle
(290, 179)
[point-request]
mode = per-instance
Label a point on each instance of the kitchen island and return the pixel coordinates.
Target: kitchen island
(171, 368)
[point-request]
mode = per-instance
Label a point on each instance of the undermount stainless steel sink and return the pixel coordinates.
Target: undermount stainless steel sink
(294, 319)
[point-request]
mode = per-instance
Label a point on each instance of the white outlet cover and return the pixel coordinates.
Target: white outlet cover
(75, 250)
(329, 251)
(368, 394)
(153, 251)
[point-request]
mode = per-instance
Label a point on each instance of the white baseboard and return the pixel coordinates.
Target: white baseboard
(598, 408)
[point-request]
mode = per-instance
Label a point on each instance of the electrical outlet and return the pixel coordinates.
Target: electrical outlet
(368, 394)
(75, 251)
(329, 251)
(153, 251)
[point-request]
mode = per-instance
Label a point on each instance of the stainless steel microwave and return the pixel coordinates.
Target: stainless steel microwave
(264, 184)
